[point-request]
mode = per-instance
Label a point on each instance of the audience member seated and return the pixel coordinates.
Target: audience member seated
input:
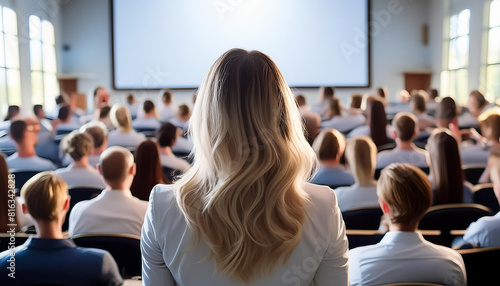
(79, 173)
(25, 135)
(167, 110)
(355, 106)
(476, 105)
(361, 153)
(115, 210)
(302, 104)
(166, 137)
(45, 124)
(63, 122)
(148, 119)
(403, 255)
(477, 154)
(97, 130)
(124, 135)
(446, 113)
(182, 119)
(60, 102)
(48, 258)
(343, 123)
(446, 175)
(148, 170)
(419, 108)
(312, 124)
(382, 94)
(105, 118)
(405, 130)
(334, 109)
(12, 113)
(486, 231)
(326, 94)
(433, 102)
(132, 105)
(7, 199)
(101, 98)
(329, 147)
(376, 124)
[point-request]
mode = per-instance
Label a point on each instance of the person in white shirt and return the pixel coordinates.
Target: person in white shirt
(166, 137)
(326, 93)
(167, 110)
(148, 119)
(97, 130)
(182, 119)
(132, 105)
(329, 147)
(486, 231)
(63, 123)
(403, 255)
(405, 130)
(361, 153)
(302, 104)
(245, 190)
(79, 173)
(115, 210)
(124, 135)
(25, 135)
(312, 124)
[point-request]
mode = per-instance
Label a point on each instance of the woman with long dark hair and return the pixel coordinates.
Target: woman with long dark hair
(148, 170)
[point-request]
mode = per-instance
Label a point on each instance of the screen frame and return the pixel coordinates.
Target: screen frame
(195, 87)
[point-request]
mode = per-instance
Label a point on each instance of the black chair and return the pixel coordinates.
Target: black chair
(448, 217)
(148, 132)
(473, 173)
(357, 237)
(363, 218)
(484, 195)
(77, 195)
(21, 177)
(170, 173)
(5, 240)
(481, 265)
(125, 249)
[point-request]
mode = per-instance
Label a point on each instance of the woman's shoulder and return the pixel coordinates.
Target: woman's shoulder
(321, 197)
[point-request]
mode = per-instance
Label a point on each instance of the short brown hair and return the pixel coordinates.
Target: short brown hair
(97, 130)
(405, 125)
(356, 100)
(418, 101)
(479, 97)
(44, 194)
(167, 96)
(329, 145)
(148, 106)
(78, 145)
(183, 110)
(406, 189)
(115, 163)
(301, 100)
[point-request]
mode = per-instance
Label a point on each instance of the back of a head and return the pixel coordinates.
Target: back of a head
(382, 92)
(97, 130)
(356, 100)
(250, 153)
(407, 191)
(77, 145)
(115, 163)
(328, 92)
(44, 196)
(329, 145)
(120, 117)
(301, 100)
(312, 123)
(37, 108)
(419, 102)
(478, 98)
(406, 126)
(17, 129)
(12, 111)
(377, 120)
(165, 134)
(130, 99)
(361, 153)
(149, 171)
(335, 107)
(490, 124)
(446, 166)
(166, 97)
(64, 113)
(148, 106)
(433, 94)
(60, 99)
(446, 111)
(104, 112)
(184, 110)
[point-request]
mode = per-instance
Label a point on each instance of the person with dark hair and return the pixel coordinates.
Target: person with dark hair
(326, 93)
(302, 104)
(148, 170)
(403, 254)
(476, 105)
(446, 174)
(99, 133)
(329, 147)
(101, 97)
(166, 137)
(105, 118)
(341, 122)
(46, 198)
(167, 110)
(63, 122)
(24, 132)
(312, 124)
(419, 107)
(148, 119)
(376, 126)
(132, 105)
(60, 101)
(405, 130)
(446, 113)
(12, 112)
(183, 116)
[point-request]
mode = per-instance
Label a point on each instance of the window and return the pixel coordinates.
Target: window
(493, 54)
(10, 77)
(454, 77)
(44, 85)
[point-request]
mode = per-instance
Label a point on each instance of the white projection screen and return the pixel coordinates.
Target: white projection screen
(173, 43)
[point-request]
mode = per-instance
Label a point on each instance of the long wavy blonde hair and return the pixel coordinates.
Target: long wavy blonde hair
(243, 195)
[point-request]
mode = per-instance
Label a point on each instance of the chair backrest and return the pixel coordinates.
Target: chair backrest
(481, 265)
(450, 217)
(472, 173)
(484, 195)
(77, 195)
(21, 177)
(125, 249)
(148, 132)
(363, 218)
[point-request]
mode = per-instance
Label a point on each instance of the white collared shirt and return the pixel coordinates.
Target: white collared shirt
(485, 232)
(150, 122)
(169, 257)
(167, 112)
(113, 211)
(414, 157)
(125, 139)
(356, 196)
(405, 257)
(81, 177)
(344, 123)
(33, 163)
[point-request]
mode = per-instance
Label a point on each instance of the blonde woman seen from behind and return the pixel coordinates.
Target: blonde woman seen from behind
(243, 214)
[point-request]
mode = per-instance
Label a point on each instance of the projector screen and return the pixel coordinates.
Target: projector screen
(173, 43)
